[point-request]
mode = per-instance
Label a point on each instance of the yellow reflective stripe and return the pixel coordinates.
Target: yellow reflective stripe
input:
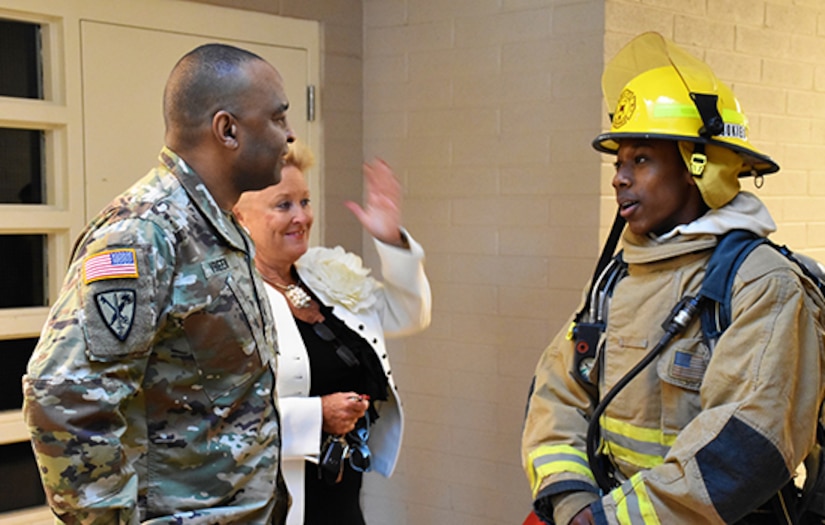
(643, 447)
(547, 460)
(552, 450)
(633, 457)
(636, 507)
(622, 514)
(647, 435)
(645, 505)
(733, 117)
(672, 110)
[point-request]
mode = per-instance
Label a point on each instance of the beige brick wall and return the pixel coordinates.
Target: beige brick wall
(486, 109)
(489, 122)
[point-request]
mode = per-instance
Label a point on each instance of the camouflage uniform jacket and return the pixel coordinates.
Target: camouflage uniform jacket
(150, 395)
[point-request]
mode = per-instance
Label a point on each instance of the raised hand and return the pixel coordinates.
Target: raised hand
(381, 216)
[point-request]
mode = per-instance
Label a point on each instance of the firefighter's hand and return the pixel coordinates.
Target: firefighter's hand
(584, 517)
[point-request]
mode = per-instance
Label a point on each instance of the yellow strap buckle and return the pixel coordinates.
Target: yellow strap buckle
(698, 161)
(570, 331)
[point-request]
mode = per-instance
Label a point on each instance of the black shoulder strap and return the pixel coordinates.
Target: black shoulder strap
(717, 287)
(587, 327)
(733, 248)
(608, 251)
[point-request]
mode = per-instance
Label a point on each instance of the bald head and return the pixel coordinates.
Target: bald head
(206, 79)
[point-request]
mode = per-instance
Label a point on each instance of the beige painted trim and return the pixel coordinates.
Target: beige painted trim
(12, 428)
(36, 516)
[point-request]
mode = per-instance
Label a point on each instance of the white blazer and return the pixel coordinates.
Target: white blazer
(402, 306)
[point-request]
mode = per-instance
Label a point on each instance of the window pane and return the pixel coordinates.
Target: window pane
(23, 271)
(14, 354)
(17, 464)
(21, 166)
(21, 74)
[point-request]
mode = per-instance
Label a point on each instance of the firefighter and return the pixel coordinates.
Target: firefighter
(712, 429)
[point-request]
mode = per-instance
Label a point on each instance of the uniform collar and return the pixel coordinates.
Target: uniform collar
(222, 221)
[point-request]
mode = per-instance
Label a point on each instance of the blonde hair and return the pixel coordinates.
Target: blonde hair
(300, 156)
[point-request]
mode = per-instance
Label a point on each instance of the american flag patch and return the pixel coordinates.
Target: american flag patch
(688, 367)
(114, 264)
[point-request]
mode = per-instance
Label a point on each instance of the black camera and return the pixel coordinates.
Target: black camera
(333, 453)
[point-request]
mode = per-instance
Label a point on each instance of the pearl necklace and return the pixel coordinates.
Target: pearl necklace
(296, 295)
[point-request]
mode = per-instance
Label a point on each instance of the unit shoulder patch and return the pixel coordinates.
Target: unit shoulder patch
(120, 316)
(117, 309)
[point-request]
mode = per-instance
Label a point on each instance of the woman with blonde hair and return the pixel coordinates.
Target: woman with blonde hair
(340, 410)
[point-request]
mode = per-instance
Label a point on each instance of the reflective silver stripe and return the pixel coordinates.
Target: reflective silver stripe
(642, 447)
(549, 460)
(557, 457)
(634, 514)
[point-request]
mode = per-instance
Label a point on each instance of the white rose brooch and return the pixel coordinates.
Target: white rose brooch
(338, 275)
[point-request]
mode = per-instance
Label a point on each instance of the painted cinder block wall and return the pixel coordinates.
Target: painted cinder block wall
(486, 108)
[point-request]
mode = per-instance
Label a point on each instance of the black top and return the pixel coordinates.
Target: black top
(330, 373)
(339, 503)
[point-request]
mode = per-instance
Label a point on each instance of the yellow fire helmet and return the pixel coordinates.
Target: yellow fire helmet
(660, 91)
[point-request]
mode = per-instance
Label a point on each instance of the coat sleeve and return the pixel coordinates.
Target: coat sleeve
(407, 300)
(553, 440)
(88, 367)
(760, 403)
(301, 419)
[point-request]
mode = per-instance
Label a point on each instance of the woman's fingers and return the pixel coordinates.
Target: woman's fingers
(342, 410)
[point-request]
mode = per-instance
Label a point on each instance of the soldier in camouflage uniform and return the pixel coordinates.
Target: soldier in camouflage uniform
(151, 394)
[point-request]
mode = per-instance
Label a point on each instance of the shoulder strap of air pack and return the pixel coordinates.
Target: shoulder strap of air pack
(733, 248)
(588, 325)
(717, 288)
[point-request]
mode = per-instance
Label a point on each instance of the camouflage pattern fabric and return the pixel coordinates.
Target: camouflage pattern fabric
(150, 396)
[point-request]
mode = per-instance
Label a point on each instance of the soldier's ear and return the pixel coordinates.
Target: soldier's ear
(225, 128)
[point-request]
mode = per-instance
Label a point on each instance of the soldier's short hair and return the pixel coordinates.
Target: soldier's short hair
(204, 81)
